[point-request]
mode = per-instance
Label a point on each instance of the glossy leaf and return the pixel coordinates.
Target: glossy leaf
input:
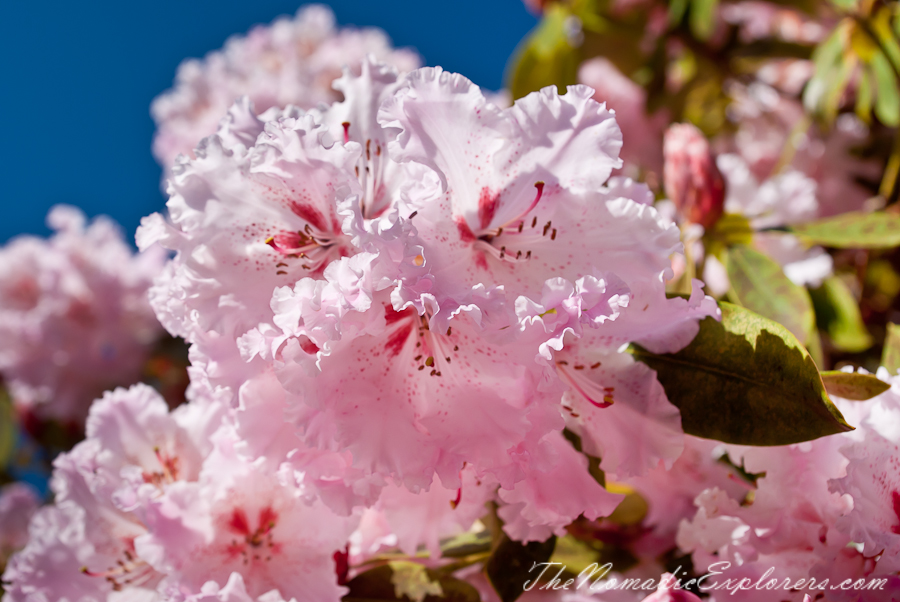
(514, 564)
(853, 230)
(837, 313)
(890, 357)
(746, 380)
(401, 581)
(759, 284)
(853, 385)
(546, 57)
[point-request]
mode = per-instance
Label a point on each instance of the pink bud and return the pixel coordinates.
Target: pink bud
(690, 175)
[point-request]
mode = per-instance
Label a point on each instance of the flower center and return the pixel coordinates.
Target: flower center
(256, 544)
(510, 241)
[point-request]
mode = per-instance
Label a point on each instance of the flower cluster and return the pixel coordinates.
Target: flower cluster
(74, 315)
(290, 62)
(436, 337)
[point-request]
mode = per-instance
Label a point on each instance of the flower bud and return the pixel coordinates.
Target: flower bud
(692, 180)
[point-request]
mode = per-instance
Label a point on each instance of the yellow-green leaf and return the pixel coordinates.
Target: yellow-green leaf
(853, 230)
(746, 380)
(400, 581)
(887, 96)
(703, 17)
(853, 385)
(890, 357)
(759, 284)
(837, 313)
(547, 56)
(411, 579)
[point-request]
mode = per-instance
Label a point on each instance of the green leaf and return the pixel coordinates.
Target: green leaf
(593, 461)
(677, 9)
(513, 565)
(702, 17)
(853, 230)
(546, 57)
(759, 284)
(890, 357)
(837, 313)
(887, 97)
(408, 582)
(864, 95)
(746, 380)
(881, 25)
(411, 579)
(853, 385)
(7, 429)
(827, 59)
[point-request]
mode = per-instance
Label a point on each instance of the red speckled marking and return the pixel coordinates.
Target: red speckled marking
(395, 342)
(895, 499)
(487, 206)
(310, 215)
(464, 232)
(238, 522)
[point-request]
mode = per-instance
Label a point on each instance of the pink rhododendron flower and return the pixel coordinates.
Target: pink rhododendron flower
(159, 502)
(74, 318)
(374, 257)
(669, 591)
(290, 62)
(642, 133)
(18, 503)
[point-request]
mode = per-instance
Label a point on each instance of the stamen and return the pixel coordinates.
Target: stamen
(346, 125)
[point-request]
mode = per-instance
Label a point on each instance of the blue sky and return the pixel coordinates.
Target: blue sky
(78, 78)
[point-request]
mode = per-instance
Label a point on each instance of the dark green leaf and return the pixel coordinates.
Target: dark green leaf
(513, 565)
(746, 380)
(7, 429)
(890, 357)
(853, 230)
(546, 57)
(390, 581)
(837, 313)
(759, 284)
(593, 461)
(853, 385)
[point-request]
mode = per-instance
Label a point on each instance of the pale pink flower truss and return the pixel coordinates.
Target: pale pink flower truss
(373, 255)
(157, 504)
(290, 62)
(18, 503)
(74, 318)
